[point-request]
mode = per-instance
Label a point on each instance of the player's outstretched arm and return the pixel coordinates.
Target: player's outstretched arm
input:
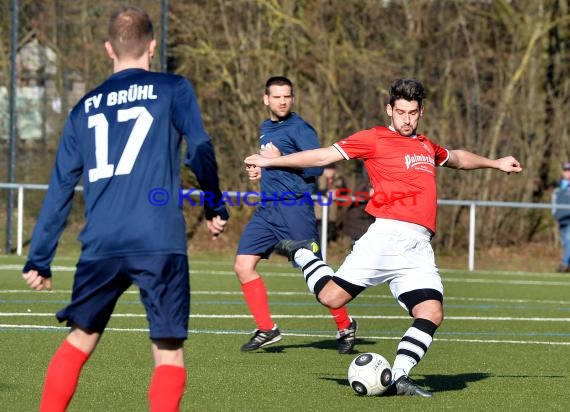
(509, 164)
(306, 158)
(35, 281)
(463, 159)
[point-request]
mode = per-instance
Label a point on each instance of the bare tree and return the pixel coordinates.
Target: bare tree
(497, 75)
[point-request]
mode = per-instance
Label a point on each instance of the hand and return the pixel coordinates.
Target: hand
(509, 164)
(257, 160)
(35, 281)
(253, 172)
(270, 151)
(216, 226)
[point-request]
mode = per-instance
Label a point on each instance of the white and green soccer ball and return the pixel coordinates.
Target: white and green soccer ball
(369, 374)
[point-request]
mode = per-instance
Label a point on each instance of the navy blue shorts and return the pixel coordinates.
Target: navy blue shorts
(163, 282)
(274, 222)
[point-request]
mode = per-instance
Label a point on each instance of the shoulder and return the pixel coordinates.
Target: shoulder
(296, 118)
(266, 124)
(298, 121)
(169, 81)
(175, 81)
(382, 131)
(432, 143)
(425, 138)
(372, 133)
(164, 77)
(300, 125)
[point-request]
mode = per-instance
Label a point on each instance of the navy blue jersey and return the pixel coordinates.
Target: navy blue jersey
(124, 137)
(290, 135)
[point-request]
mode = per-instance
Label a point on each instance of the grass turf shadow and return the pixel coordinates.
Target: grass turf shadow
(433, 383)
(327, 344)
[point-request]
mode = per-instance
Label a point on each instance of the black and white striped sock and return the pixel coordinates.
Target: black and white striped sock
(316, 272)
(413, 347)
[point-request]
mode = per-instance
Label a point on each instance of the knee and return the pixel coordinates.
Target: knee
(244, 272)
(83, 339)
(239, 267)
(437, 318)
(433, 313)
(168, 352)
(331, 300)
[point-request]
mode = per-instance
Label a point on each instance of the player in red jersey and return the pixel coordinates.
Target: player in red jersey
(396, 249)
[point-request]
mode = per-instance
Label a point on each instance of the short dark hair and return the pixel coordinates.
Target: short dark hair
(278, 81)
(130, 31)
(408, 89)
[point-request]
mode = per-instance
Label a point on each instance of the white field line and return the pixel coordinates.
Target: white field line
(247, 316)
(284, 293)
(195, 267)
(215, 332)
(507, 282)
(55, 269)
(276, 263)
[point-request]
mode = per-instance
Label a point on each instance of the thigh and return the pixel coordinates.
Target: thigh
(258, 236)
(296, 222)
(403, 258)
(375, 258)
(420, 280)
(97, 286)
(164, 284)
(275, 222)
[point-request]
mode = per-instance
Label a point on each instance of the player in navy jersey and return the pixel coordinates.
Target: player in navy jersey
(281, 213)
(124, 139)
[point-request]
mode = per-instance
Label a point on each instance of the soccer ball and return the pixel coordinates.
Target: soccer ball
(369, 374)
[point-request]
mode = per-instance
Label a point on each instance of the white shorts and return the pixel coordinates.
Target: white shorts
(396, 252)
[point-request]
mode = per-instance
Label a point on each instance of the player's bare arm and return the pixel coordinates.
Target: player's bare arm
(463, 159)
(307, 158)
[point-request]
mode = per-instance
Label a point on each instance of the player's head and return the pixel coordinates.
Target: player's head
(130, 32)
(278, 97)
(406, 105)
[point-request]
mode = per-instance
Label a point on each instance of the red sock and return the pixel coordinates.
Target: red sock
(341, 317)
(166, 388)
(255, 295)
(61, 377)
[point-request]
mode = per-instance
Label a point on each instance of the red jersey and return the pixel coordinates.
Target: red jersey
(402, 173)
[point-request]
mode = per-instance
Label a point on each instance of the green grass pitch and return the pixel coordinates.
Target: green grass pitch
(504, 345)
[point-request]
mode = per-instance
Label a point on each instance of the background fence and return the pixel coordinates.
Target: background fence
(26, 214)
